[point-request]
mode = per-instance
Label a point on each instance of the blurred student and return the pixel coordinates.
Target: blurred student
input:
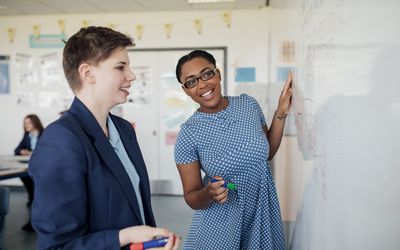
(33, 129)
(227, 139)
(92, 188)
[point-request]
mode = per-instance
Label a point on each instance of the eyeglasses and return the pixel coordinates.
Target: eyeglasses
(207, 75)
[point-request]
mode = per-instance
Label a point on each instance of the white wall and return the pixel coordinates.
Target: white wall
(246, 40)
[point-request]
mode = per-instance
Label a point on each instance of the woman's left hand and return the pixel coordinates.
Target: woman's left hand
(286, 97)
(25, 152)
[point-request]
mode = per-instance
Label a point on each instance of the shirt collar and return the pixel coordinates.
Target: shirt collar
(113, 133)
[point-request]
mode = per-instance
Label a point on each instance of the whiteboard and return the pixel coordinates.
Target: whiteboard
(346, 110)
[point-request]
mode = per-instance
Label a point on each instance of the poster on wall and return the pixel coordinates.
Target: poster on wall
(24, 70)
(47, 41)
(140, 94)
(245, 74)
(26, 98)
(51, 70)
(27, 79)
(4, 74)
(55, 89)
(287, 51)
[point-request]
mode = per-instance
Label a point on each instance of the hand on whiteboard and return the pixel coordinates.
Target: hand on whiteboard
(286, 98)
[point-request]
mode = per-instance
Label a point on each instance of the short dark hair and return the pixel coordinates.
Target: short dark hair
(90, 45)
(194, 54)
(37, 124)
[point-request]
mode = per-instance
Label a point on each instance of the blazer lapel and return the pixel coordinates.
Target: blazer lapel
(106, 152)
(132, 148)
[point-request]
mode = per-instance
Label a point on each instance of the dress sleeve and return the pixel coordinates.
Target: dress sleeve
(185, 147)
(254, 104)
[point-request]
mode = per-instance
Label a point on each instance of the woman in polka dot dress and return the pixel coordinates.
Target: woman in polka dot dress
(227, 138)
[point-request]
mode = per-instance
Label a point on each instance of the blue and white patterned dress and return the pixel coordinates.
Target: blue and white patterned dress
(232, 144)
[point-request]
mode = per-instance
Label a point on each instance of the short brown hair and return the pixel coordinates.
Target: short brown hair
(90, 45)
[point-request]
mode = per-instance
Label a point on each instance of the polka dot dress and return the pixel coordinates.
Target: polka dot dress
(232, 144)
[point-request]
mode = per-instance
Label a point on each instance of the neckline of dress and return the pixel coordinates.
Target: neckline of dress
(219, 113)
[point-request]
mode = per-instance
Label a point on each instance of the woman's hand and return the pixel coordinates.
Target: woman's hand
(285, 98)
(217, 193)
(137, 234)
(173, 243)
(25, 152)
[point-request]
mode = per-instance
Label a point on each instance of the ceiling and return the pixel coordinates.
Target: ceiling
(55, 7)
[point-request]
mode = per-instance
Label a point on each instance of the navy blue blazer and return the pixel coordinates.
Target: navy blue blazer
(83, 195)
(25, 143)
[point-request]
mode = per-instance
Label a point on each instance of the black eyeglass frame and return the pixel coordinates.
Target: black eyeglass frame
(196, 79)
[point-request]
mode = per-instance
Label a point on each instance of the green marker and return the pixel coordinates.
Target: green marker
(228, 185)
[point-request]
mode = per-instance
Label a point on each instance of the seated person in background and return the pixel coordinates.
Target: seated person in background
(92, 190)
(33, 129)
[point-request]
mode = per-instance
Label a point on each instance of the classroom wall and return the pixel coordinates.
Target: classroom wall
(246, 41)
(337, 169)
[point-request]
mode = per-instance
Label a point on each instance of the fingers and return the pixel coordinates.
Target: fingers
(222, 197)
(173, 242)
(177, 242)
(216, 190)
(158, 231)
(170, 242)
(216, 185)
(286, 96)
(218, 178)
(288, 83)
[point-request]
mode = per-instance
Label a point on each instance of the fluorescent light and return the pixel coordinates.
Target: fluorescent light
(209, 1)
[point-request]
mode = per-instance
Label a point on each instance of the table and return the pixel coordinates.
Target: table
(13, 166)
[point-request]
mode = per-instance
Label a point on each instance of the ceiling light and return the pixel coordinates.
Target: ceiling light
(209, 1)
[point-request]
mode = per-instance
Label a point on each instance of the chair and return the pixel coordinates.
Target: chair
(4, 205)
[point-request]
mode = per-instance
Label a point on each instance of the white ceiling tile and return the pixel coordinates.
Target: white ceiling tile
(37, 7)
(28, 7)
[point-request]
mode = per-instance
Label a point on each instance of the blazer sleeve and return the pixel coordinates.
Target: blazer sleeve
(58, 167)
(23, 144)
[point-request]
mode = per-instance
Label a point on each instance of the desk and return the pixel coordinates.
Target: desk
(13, 166)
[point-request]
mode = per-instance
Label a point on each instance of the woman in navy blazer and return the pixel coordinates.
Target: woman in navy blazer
(33, 129)
(91, 185)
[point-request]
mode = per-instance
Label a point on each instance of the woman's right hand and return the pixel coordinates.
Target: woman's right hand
(137, 234)
(173, 243)
(25, 152)
(216, 191)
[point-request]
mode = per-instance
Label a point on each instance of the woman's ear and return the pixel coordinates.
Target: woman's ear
(218, 73)
(86, 73)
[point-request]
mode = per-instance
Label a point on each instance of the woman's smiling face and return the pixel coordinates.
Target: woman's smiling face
(113, 78)
(207, 93)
